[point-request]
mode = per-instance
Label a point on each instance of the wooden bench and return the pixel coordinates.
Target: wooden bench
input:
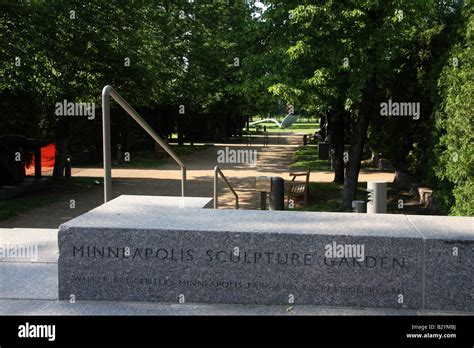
(299, 188)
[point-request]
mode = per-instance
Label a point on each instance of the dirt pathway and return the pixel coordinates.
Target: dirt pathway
(273, 160)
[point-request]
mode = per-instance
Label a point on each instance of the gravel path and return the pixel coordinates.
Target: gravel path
(273, 160)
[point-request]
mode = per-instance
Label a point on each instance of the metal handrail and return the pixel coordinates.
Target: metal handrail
(107, 92)
(217, 171)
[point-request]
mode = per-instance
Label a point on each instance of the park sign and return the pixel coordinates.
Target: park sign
(168, 249)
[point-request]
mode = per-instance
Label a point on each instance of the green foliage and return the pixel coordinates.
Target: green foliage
(157, 54)
(454, 152)
(179, 52)
(322, 57)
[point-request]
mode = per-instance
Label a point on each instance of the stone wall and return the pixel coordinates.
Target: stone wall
(165, 249)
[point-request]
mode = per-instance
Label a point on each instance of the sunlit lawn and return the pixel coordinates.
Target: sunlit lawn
(303, 125)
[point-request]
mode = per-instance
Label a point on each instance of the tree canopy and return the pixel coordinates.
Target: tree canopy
(227, 60)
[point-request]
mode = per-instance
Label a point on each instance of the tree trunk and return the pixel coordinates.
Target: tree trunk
(359, 136)
(360, 127)
(62, 137)
(338, 141)
(239, 124)
(323, 128)
(336, 144)
(180, 127)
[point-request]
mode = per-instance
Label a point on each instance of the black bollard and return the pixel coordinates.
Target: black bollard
(277, 194)
(263, 201)
(67, 167)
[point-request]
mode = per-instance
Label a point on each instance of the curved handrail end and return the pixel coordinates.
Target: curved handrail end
(106, 90)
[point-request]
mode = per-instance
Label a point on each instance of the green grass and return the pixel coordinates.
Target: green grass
(147, 159)
(187, 150)
(140, 159)
(307, 156)
(298, 127)
(327, 196)
(20, 205)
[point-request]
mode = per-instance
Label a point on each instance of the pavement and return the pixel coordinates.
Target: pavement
(29, 286)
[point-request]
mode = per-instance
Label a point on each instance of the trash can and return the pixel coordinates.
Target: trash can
(323, 151)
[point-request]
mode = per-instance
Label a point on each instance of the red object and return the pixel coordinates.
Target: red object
(48, 153)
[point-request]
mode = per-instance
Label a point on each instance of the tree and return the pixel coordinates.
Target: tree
(454, 117)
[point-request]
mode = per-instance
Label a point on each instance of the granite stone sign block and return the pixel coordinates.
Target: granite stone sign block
(449, 262)
(162, 251)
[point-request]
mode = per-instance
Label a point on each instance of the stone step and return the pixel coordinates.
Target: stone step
(53, 307)
(28, 245)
